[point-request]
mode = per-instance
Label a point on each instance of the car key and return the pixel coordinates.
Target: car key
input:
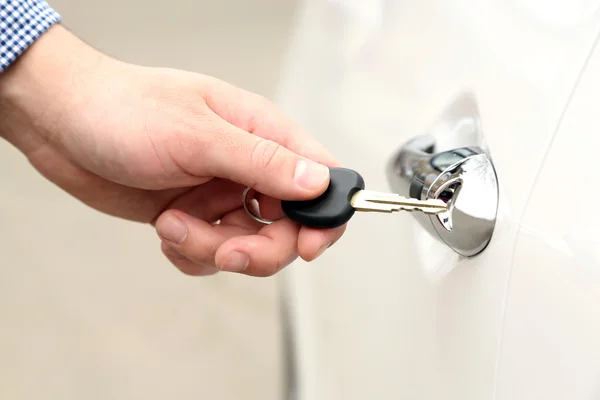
(345, 195)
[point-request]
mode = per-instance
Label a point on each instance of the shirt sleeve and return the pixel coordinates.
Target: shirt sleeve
(21, 23)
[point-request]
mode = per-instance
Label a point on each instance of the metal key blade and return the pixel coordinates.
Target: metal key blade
(366, 200)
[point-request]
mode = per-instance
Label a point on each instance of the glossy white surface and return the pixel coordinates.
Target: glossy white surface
(551, 342)
(387, 313)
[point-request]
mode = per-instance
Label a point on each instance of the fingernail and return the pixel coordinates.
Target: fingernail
(322, 249)
(310, 175)
(172, 229)
(236, 262)
(173, 254)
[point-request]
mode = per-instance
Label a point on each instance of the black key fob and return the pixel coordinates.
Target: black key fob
(333, 208)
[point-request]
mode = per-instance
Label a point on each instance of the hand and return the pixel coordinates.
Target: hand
(166, 147)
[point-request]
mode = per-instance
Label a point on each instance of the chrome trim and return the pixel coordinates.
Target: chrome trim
(464, 177)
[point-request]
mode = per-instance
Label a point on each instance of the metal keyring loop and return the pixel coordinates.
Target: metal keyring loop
(255, 217)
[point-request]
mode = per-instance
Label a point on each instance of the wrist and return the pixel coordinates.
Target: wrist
(38, 88)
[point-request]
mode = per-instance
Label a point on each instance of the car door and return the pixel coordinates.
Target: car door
(551, 334)
(389, 311)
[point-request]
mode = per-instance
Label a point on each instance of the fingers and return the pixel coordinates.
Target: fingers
(185, 265)
(193, 238)
(250, 141)
(269, 208)
(264, 165)
(211, 200)
(312, 243)
(254, 144)
(263, 254)
(259, 116)
(238, 244)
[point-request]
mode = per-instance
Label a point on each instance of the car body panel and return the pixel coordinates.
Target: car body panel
(388, 312)
(551, 338)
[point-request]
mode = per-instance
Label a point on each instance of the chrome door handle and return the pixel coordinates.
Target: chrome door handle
(464, 177)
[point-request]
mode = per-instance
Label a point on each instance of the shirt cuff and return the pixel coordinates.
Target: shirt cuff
(21, 23)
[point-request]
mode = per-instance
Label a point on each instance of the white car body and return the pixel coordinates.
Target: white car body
(390, 313)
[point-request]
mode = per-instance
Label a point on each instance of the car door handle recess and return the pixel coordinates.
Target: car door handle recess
(464, 177)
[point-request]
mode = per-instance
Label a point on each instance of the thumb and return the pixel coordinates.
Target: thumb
(266, 166)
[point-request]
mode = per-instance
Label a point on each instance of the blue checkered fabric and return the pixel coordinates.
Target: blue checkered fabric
(21, 23)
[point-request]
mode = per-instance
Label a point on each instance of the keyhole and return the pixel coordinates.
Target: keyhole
(448, 193)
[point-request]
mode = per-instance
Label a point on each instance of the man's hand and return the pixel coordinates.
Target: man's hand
(166, 147)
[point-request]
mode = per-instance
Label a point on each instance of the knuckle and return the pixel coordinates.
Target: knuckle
(204, 255)
(265, 155)
(252, 123)
(204, 252)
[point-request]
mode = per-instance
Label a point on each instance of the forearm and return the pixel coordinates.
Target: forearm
(41, 86)
(32, 88)
(22, 24)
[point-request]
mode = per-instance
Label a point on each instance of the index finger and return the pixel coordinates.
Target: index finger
(258, 115)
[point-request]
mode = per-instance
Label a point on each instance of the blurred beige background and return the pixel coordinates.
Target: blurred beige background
(89, 308)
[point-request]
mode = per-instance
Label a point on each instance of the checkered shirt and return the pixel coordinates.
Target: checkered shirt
(21, 23)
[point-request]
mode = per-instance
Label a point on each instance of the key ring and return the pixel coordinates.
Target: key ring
(255, 217)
